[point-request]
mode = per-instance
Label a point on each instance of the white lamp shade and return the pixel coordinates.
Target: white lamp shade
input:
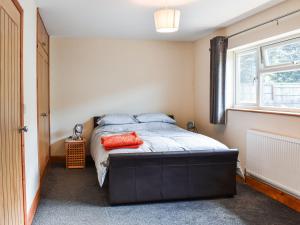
(167, 20)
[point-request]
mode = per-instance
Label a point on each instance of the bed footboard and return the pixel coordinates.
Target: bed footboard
(144, 177)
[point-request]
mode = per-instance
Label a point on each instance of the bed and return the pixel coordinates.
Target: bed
(172, 164)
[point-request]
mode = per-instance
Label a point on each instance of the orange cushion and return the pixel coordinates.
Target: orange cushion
(128, 140)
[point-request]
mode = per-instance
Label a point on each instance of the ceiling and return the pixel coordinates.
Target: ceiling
(133, 19)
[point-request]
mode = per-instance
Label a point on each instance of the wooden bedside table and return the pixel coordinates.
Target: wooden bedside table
(75, 153)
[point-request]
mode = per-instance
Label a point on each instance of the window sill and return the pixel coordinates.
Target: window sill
(296, 114)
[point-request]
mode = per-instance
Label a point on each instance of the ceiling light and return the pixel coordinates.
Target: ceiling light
(167, 20)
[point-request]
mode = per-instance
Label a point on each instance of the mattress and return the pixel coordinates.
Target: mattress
(157, 137)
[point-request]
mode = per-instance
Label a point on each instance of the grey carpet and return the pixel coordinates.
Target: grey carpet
(73, 197)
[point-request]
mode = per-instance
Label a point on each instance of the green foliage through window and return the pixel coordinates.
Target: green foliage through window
(286, 77)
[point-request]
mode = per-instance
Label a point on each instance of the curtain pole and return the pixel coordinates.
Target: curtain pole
(264, 23)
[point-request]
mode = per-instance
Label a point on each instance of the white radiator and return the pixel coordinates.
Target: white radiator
(274, 159)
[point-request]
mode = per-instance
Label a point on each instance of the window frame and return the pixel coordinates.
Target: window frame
(237, 77)
(262, 69)
(275, 44)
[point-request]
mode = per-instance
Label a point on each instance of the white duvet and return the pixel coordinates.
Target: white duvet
(157, 137)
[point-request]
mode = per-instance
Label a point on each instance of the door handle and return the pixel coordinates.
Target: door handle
(23, 129)
(43, 114)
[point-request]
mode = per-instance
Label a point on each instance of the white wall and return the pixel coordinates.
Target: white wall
(30, 115)
(95, 76)
(234, 133)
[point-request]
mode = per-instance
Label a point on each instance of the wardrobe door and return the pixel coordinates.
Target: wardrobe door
(43, 96)
(11, 131)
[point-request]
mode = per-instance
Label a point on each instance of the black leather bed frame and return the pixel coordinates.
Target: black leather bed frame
(162, 176)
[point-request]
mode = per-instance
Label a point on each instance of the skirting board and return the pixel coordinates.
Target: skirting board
(34, 206)
(36, 199)
(44, 172)
(272, 192)
(57, 159)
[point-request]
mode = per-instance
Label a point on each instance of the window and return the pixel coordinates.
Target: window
(268, 76)
(246, 77)
(284, 53)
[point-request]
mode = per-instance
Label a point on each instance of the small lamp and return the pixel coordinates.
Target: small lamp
(77, 132)
(191, 126)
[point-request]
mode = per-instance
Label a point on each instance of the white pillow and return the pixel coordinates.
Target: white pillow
(116, 119)
(154, 117)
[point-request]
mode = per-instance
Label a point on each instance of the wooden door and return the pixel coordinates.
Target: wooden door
(11, 140)
(43, 96)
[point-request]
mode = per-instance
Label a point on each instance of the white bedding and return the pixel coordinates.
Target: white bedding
(157, 137)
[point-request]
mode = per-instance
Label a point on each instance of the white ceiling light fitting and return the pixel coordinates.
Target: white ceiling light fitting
(167, 20)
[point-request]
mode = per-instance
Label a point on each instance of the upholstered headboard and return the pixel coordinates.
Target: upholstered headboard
(95, 119)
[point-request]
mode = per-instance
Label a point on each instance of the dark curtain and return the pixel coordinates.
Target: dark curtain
(218, 52)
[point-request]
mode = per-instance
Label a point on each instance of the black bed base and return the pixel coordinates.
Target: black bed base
(150, 177)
